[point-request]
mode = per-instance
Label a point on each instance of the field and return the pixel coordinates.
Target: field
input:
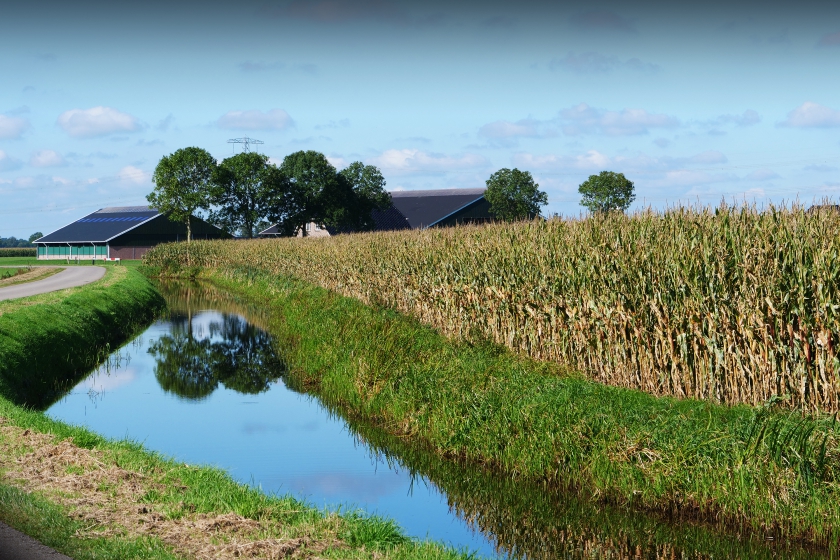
(657, 303)
(730, 305)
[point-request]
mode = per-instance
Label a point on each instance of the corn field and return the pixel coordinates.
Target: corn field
(733, 304)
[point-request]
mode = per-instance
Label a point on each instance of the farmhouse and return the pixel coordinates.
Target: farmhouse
(124, 232)
(419, 210)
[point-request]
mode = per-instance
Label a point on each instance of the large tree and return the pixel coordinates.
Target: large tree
(183, 184)
(244, 185)
(367, 187)
(606, 192)
(513, 195)
(310, 194)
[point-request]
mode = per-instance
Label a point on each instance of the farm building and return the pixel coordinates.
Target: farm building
(419, 210)
(124, 232)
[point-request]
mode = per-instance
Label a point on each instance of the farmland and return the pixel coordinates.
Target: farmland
(729, 305)
(680, 364)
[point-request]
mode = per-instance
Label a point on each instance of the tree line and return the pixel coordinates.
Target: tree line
(246, 193)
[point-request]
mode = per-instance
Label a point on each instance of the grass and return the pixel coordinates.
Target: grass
(763, 471)
(48, 341)
(14, 276)
(89, 497)
(732, 305)
(34, 261)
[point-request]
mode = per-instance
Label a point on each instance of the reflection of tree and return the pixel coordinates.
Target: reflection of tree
(237, 354)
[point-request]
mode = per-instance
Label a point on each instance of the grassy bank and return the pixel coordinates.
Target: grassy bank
(48, 341)
(92, 498)
(730, 305)
(760, 471)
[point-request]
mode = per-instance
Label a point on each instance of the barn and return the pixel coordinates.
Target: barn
(419, 209)
(123, 232)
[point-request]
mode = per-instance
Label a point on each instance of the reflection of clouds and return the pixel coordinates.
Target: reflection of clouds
(108, 381)
(347, 487)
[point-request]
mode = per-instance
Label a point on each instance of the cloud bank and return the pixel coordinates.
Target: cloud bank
(96, 121)
(812, 115)
(11, 127)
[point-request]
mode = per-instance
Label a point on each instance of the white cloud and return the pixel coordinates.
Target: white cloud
(133, 176)
(96, 121)
(412, 161)
(12, 127)
(583, 119)
(747, 118)
(46, 158)
(812, 115)
(275, 119)
(526, 128)
(8, 163)
(338, 162)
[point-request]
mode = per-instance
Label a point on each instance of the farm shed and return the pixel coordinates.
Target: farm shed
(419, 210)
(124, 232)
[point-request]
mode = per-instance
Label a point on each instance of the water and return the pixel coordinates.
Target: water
(205, 386)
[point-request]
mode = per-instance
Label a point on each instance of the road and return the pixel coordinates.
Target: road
(67, 278)
(14, 545)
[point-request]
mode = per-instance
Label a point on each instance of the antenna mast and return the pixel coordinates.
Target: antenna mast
(246, 143)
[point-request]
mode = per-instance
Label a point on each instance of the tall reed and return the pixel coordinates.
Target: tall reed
(733, 304)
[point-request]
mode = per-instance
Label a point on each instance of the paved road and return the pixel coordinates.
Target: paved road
(14, 545)
(67, 278)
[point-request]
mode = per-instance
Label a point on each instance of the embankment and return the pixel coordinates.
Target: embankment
(92, 498)
(763, 471)
(48, 341)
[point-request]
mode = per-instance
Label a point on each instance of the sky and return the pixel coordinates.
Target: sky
(735, 101)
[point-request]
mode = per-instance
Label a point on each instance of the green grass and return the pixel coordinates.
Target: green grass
(48, 341)
(762, 471)
(33, 261)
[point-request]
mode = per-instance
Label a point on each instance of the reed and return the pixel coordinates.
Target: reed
(733, 304)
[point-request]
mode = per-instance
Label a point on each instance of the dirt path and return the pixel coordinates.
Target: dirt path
(67, 278)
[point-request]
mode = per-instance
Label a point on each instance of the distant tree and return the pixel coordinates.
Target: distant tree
(606, 192)
(243, 187)
(36, 235)
(367, 186)
(14, 242)
(513, 195)
(183, 184)
(312, 193)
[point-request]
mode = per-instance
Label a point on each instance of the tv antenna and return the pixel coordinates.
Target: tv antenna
(246, 143)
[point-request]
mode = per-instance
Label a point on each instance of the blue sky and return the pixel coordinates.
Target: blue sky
(694, 104)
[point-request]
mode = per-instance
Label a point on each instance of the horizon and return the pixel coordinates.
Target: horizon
(694, 104)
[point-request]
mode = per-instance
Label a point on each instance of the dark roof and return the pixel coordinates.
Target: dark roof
(415, 209)
(101, 226)
(425, 208)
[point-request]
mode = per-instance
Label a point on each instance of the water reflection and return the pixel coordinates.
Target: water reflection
(233, 353)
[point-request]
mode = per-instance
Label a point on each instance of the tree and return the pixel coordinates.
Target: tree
(183, 184)
(312, 192)
(243, 187)
(367, 186)
(513, 195)
(36, 235)
(606, 192)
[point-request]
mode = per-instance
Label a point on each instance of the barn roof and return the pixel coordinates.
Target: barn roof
(426, 208)
(417, 209)
(102, 226)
